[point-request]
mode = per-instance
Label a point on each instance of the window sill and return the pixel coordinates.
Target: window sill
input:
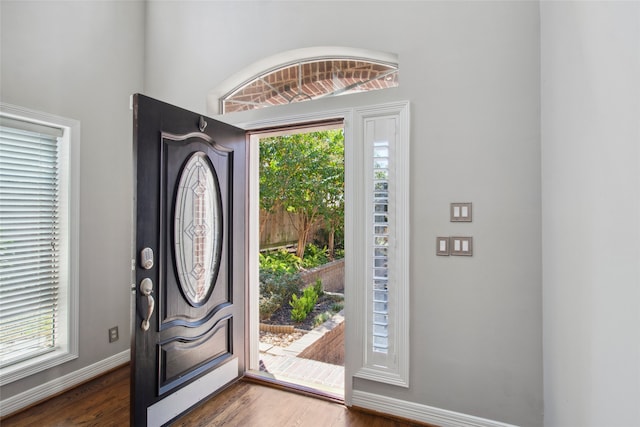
(34, 365)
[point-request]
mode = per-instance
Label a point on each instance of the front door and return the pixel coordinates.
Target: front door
(188, 338)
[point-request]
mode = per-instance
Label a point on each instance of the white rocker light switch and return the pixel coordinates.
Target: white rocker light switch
(461, 212)
(461, 246)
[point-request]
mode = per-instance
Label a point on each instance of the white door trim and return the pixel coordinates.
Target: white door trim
(254, 227)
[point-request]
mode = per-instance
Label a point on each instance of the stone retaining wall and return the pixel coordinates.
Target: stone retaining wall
(331, 274)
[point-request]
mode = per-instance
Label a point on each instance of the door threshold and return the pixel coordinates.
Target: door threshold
(259, 377)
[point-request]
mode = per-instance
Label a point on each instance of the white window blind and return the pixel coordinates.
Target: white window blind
(29, 239)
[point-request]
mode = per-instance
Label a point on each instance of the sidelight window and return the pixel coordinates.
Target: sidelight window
(384, 300)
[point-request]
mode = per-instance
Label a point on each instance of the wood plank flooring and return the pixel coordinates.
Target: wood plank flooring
(105, 402)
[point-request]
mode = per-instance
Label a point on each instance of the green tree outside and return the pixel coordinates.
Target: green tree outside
(304, 175)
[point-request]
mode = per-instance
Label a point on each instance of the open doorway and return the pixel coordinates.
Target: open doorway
(297, 279)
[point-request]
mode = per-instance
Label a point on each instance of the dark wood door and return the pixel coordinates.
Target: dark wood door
(190, 237)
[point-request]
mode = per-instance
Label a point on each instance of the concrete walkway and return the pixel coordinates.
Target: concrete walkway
(309, 373)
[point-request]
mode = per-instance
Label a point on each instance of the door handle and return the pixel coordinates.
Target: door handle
(146, 288)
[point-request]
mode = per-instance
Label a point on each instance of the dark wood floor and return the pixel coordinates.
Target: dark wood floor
(105, 402)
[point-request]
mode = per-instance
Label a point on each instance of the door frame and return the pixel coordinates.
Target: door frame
(257, 129)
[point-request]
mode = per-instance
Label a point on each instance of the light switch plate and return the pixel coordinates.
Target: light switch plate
(461, 212)
(442, 246)
(461, 246)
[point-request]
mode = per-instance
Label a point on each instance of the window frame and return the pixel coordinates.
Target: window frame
(69, 157)
(308, 84)
(288, 57)
(257, 121)
(393, 367)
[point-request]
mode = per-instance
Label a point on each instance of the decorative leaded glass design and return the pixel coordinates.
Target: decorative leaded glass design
(380, 246)
(197, 229)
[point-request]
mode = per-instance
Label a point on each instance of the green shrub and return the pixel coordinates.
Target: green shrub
(336, 307)
(303, 305)
(314, 256)
(299, 313)
(280, 279)
(283, 284)
(321, 318)
(280, 262)
(318, 288)
(311, 295)
(268, 305)
(275, 289)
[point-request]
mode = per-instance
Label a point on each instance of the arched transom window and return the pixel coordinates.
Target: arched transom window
(310, 79)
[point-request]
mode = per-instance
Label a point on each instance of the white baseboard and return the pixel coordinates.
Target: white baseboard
(419, 412)
(41, 392)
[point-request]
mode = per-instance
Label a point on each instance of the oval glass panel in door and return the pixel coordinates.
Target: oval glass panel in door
(197, 229)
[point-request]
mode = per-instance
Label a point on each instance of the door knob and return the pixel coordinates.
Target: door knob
(146, 288)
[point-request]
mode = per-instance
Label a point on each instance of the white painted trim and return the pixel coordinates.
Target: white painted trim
(43, 391)
(419, 412)
(275, 122)
(289, 57)
(253, 292)
(176, 403)
(392, 368)
(354, 262)
(253, 180)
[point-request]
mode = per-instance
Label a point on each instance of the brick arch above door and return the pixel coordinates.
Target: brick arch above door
(302, 75)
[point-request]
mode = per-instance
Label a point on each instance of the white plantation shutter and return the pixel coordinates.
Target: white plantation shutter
(383, 299)
(29, 239)
(379, 250)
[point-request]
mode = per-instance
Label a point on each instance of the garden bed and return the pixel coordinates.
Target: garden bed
(327, 303)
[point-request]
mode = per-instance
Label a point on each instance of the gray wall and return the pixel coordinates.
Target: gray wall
(591, 212)
(471, 72)
(82, 60)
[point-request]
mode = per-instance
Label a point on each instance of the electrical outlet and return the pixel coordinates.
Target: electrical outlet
(113, 334)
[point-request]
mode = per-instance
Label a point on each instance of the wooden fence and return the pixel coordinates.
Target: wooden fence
(279, 230)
